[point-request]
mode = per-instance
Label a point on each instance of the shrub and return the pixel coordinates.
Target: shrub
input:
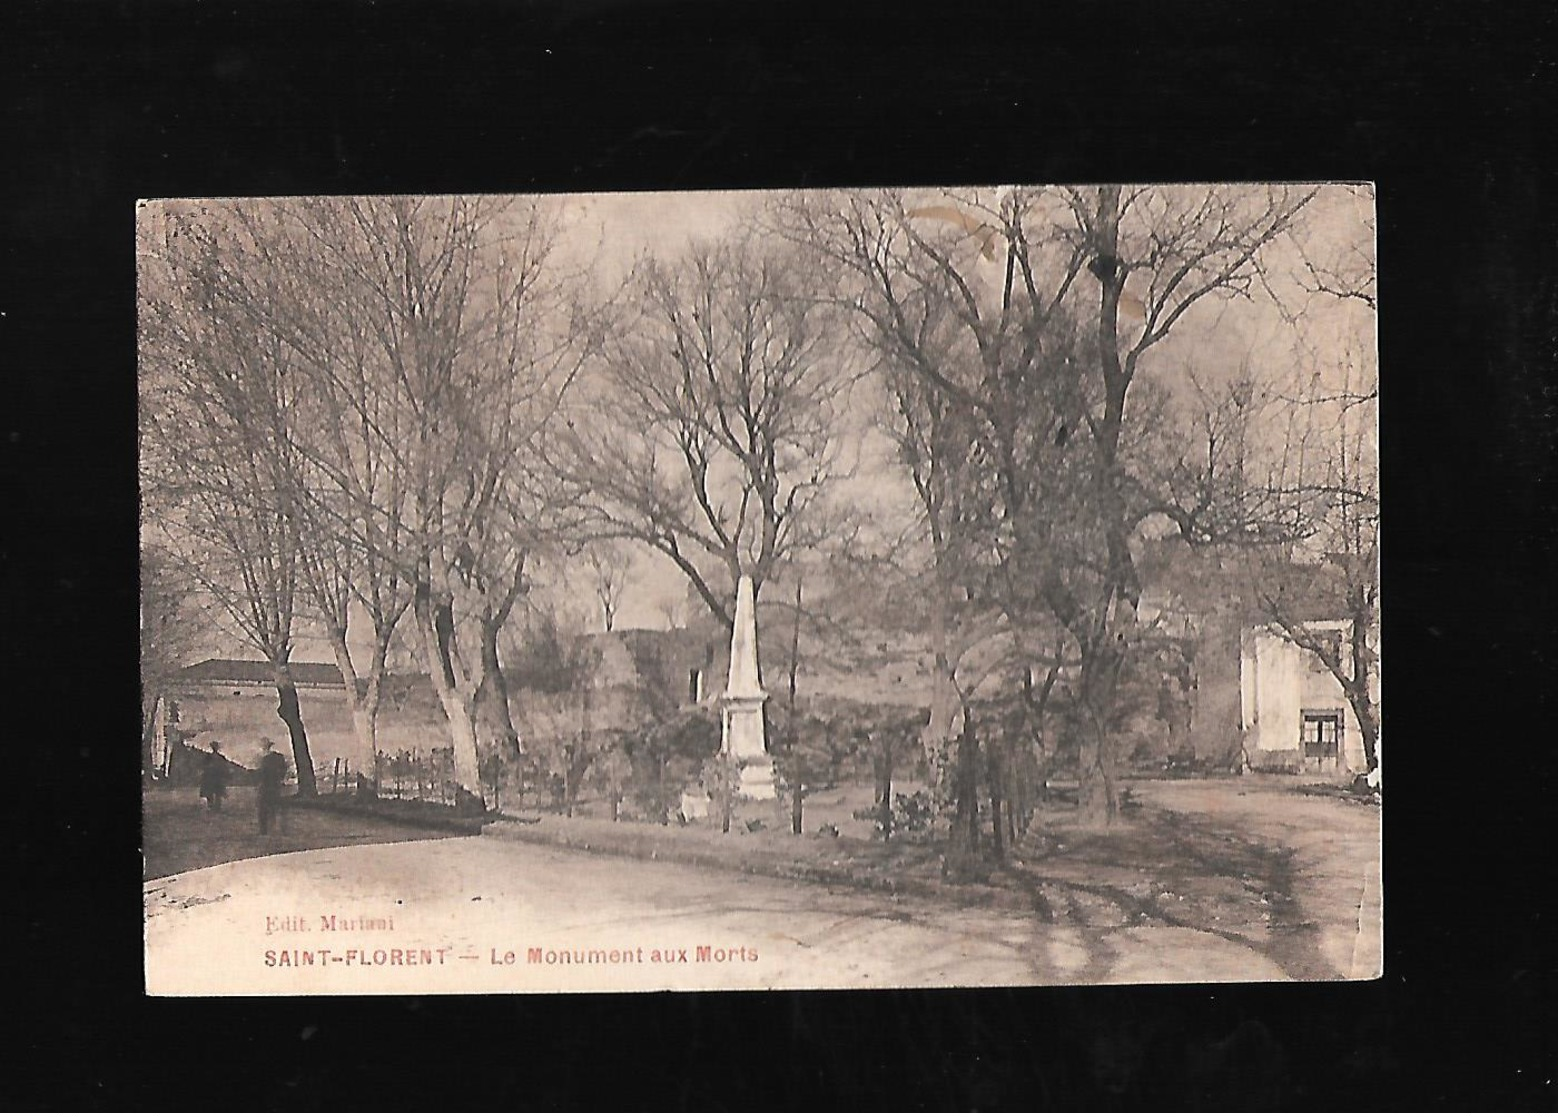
(912, 816)
(666, 757)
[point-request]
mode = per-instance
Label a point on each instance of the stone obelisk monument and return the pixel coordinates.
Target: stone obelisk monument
(741, 708)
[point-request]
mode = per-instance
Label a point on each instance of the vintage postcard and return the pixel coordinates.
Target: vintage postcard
(813, 589)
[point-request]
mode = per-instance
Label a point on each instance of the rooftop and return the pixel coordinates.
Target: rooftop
(257, 673)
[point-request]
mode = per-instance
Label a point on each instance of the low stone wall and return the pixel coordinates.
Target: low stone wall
(406, 812)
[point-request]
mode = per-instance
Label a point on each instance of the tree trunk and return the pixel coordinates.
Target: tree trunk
(492, 704)
(1017, 806)
(363, 720)
(945, 702)
(1104, 644)
(797, 789)
(292, 714)
(364, 706)
(570, 759)
(462, 735)
(885, 787)
(1096, 797)
(1358, 693)
(966, 818)
(436, 624)
(997, 833)
(149, 738)
(578, 761)
(1368, 727)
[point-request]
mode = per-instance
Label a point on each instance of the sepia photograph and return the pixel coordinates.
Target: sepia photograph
(845, 588)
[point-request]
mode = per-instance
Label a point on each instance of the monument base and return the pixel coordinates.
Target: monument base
(769, 815)
(757, 780)
(742, 740)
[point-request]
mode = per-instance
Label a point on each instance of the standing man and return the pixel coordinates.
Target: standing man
(273, 770)
(213, 777)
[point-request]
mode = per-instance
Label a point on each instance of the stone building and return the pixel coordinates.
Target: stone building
(635, 675)
(1294, 714)
(1256, 698)
(234, 701)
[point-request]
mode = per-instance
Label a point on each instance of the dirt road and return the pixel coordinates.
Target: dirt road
(1333, 853)
(483, 914)
(483, 904)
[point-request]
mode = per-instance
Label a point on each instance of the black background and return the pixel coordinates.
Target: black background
(1447, 106)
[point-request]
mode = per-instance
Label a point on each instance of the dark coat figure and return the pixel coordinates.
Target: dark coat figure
(273, 771)
(213, 778)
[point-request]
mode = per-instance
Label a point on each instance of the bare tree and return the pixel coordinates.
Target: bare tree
(215, 401)
(1341, 492)
(1287, 466)
(715, 432)
(609, 565)
(346, 486)
(673, 610)
(340, 578)
(936, 443)
(1033, 313)
(472, 339)
(1341, 267)
(421, 348)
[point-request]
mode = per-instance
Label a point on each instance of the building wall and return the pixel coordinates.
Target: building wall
(239, 716)
(1216, 725)
(411, 719)
(1278, 682)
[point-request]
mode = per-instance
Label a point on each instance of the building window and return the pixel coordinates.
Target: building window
(1321, 734)
(695, 685)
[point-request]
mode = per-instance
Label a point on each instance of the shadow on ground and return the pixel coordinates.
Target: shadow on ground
(1158, 868)
(178, 832)
(1168, 871)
